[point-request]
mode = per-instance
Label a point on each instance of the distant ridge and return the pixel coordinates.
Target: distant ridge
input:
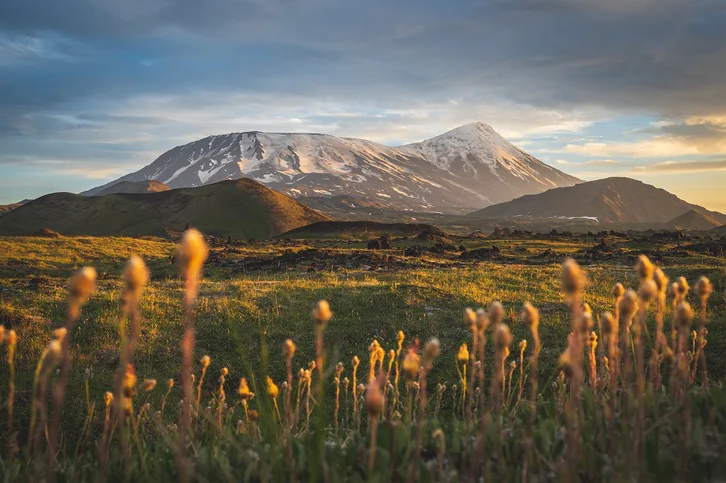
(148, 186)
(610, 200)
(240, 209)
(695, 219)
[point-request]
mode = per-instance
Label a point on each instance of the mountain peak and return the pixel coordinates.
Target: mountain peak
(469, 167)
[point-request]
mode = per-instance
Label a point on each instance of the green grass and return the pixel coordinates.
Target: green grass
(242, 319)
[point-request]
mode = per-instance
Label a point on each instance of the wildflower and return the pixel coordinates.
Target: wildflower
(400, 338)
(149, 384)
(661, 281)
(683, 287)
(411, 363)
(83, 284)
(644, 268)
(463, 355)
(530, 315)
(628, 304)
(496, 313)
(573, 278)
(502, 337)
(470, 318)
(170, 383)
(432, 348)
(205, 361)
(108, 398)
(322, 313)
(608, 324)
(60, 333)
(272, 389)
(288, 349)
(12, 337)
(244, 390)
(374, 399)
(224, 372)
(648, 291)
(684, 315)
(618, 290)
(482, 320)
(136, 276)
(192, 254)
(703, 289)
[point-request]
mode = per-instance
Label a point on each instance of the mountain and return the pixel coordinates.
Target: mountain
(470, 167)
(146, 186)
(610, 200)
(240, 209)
(695, 219)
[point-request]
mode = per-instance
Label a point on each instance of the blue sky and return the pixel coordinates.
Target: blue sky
(93, 89)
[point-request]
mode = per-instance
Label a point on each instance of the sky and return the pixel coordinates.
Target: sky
(93, 89)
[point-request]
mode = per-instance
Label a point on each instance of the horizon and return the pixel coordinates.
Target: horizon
(91, 91)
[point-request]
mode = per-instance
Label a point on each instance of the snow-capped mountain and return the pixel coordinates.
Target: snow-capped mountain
(469, 167)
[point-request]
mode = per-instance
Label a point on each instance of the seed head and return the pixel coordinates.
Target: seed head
(703, 289)
(502, 337)
(618, 290)
(205, 361)
(192, 254)
(224, 372)
(628, 304)
(513, 365)
(496, 312)
(170, 383)
(322, 313)
(108, 398)
(648, 291)
(136, 276)
(573, 278)
(288, 349)
(83, 284)
(684, 315)
(272, 389)
(356, 361)
(530, 315)
(463, 355)
(522, 345)
(400, 337)
(149, 384)
(339, 368)
(644, 268)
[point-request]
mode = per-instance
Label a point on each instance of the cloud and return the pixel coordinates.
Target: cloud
(682, 167)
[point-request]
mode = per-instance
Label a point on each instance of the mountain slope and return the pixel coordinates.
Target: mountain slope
(610, 200)
(695, 219)
(148, 186)
(469, 167)
(241, 209)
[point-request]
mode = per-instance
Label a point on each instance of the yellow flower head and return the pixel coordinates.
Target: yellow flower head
(463, 355)
(205, 361)
(411, 364)
(272, 389)
(244, 390)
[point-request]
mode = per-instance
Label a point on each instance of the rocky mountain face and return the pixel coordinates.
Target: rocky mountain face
(468, 168)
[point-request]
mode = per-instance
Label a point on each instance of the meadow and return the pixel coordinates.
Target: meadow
(631, 419)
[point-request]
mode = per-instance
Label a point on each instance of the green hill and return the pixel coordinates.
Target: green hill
(241, 209)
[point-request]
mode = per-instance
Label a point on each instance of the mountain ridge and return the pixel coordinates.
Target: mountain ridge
(468, 167)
